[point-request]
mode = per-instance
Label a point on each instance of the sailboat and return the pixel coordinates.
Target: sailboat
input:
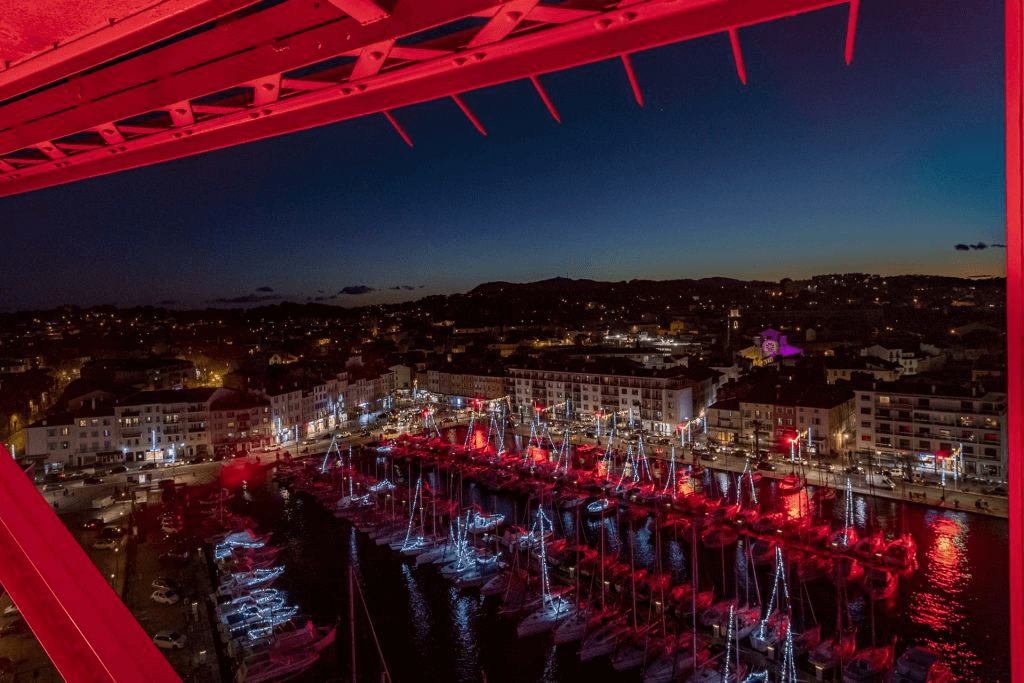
(724, 671)
(554, 608)
(682, 660)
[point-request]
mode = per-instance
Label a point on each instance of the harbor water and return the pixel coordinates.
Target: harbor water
(421, 628)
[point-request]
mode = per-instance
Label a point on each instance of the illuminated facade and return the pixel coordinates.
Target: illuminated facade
(657, 400)
(768, 419)
(904, 423)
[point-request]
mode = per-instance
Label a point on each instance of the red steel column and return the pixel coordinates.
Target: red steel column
(1014, 13)
(85, 629)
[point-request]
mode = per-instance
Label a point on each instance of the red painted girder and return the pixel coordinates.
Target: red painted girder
(238, 38)
(642, 26)
(363, 11)
(1014, 65)
(212, 62)
(125, 35)
(88, 633)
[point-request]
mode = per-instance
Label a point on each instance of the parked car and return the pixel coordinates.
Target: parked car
(115, 533)
(169, 640)
(855, 469)
(92, 524)
(162, 583)
(708, 456)
(106, 544)
(53, 487)
(174, 557)
(119, 469)
(92, 481)
(148, 466)
(196, 460)
(764, 465)
(164, 597)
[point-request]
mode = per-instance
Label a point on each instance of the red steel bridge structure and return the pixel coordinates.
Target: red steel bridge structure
(91, 88)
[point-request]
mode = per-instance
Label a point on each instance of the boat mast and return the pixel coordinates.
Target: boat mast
(352, 618)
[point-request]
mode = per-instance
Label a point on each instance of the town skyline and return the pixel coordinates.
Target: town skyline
(362, 296)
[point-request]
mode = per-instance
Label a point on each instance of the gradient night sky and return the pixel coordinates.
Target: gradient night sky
(813, 167)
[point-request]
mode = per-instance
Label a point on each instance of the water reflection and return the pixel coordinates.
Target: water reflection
(938, 605)
(954, 603)
(422, 622)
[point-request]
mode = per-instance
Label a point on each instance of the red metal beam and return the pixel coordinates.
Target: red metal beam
(851, 29)
(737, 55)
(470, 115)
(504, 21)
(545, 98)
(212, 62)
(394, 124)
(363, 11)
(120, 37)
(83, 626)
(1014, 28)
(643, 26)
(633, 82)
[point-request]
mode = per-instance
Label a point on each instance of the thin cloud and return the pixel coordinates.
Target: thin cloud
(264, 289)
(407, 288)
(356, 290)
(978, 247)
(247, 299)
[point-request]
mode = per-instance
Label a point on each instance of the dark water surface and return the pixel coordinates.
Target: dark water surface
(956, 602)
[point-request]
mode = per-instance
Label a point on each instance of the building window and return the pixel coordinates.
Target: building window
(865, 411)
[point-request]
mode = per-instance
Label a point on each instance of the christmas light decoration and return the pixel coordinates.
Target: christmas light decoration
(787, 667)
(327, 455)
(642, 465)
(670, 479)
(469, 430)
(848, 516)
(412, 512)
(728, 644)
(780, 579)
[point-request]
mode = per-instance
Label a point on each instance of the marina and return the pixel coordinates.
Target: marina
(646, 579)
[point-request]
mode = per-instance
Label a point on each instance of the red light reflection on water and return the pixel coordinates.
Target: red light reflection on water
(937, 605)
(795, 506)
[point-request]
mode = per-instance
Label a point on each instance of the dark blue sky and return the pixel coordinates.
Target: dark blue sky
(813, 167)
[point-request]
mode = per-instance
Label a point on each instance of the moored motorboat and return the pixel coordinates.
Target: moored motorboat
(920, 665)
(870, 665)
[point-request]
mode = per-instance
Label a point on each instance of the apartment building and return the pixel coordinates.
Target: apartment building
(85, 436)
(167, 424)
(656, 399)
(464, 384)
(240, 421)
(932, 427)
(821, 420)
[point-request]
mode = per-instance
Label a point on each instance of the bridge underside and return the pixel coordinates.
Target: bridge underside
(219, 73)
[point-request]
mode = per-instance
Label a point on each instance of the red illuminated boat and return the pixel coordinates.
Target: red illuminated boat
(881, 584)
(870, 665)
